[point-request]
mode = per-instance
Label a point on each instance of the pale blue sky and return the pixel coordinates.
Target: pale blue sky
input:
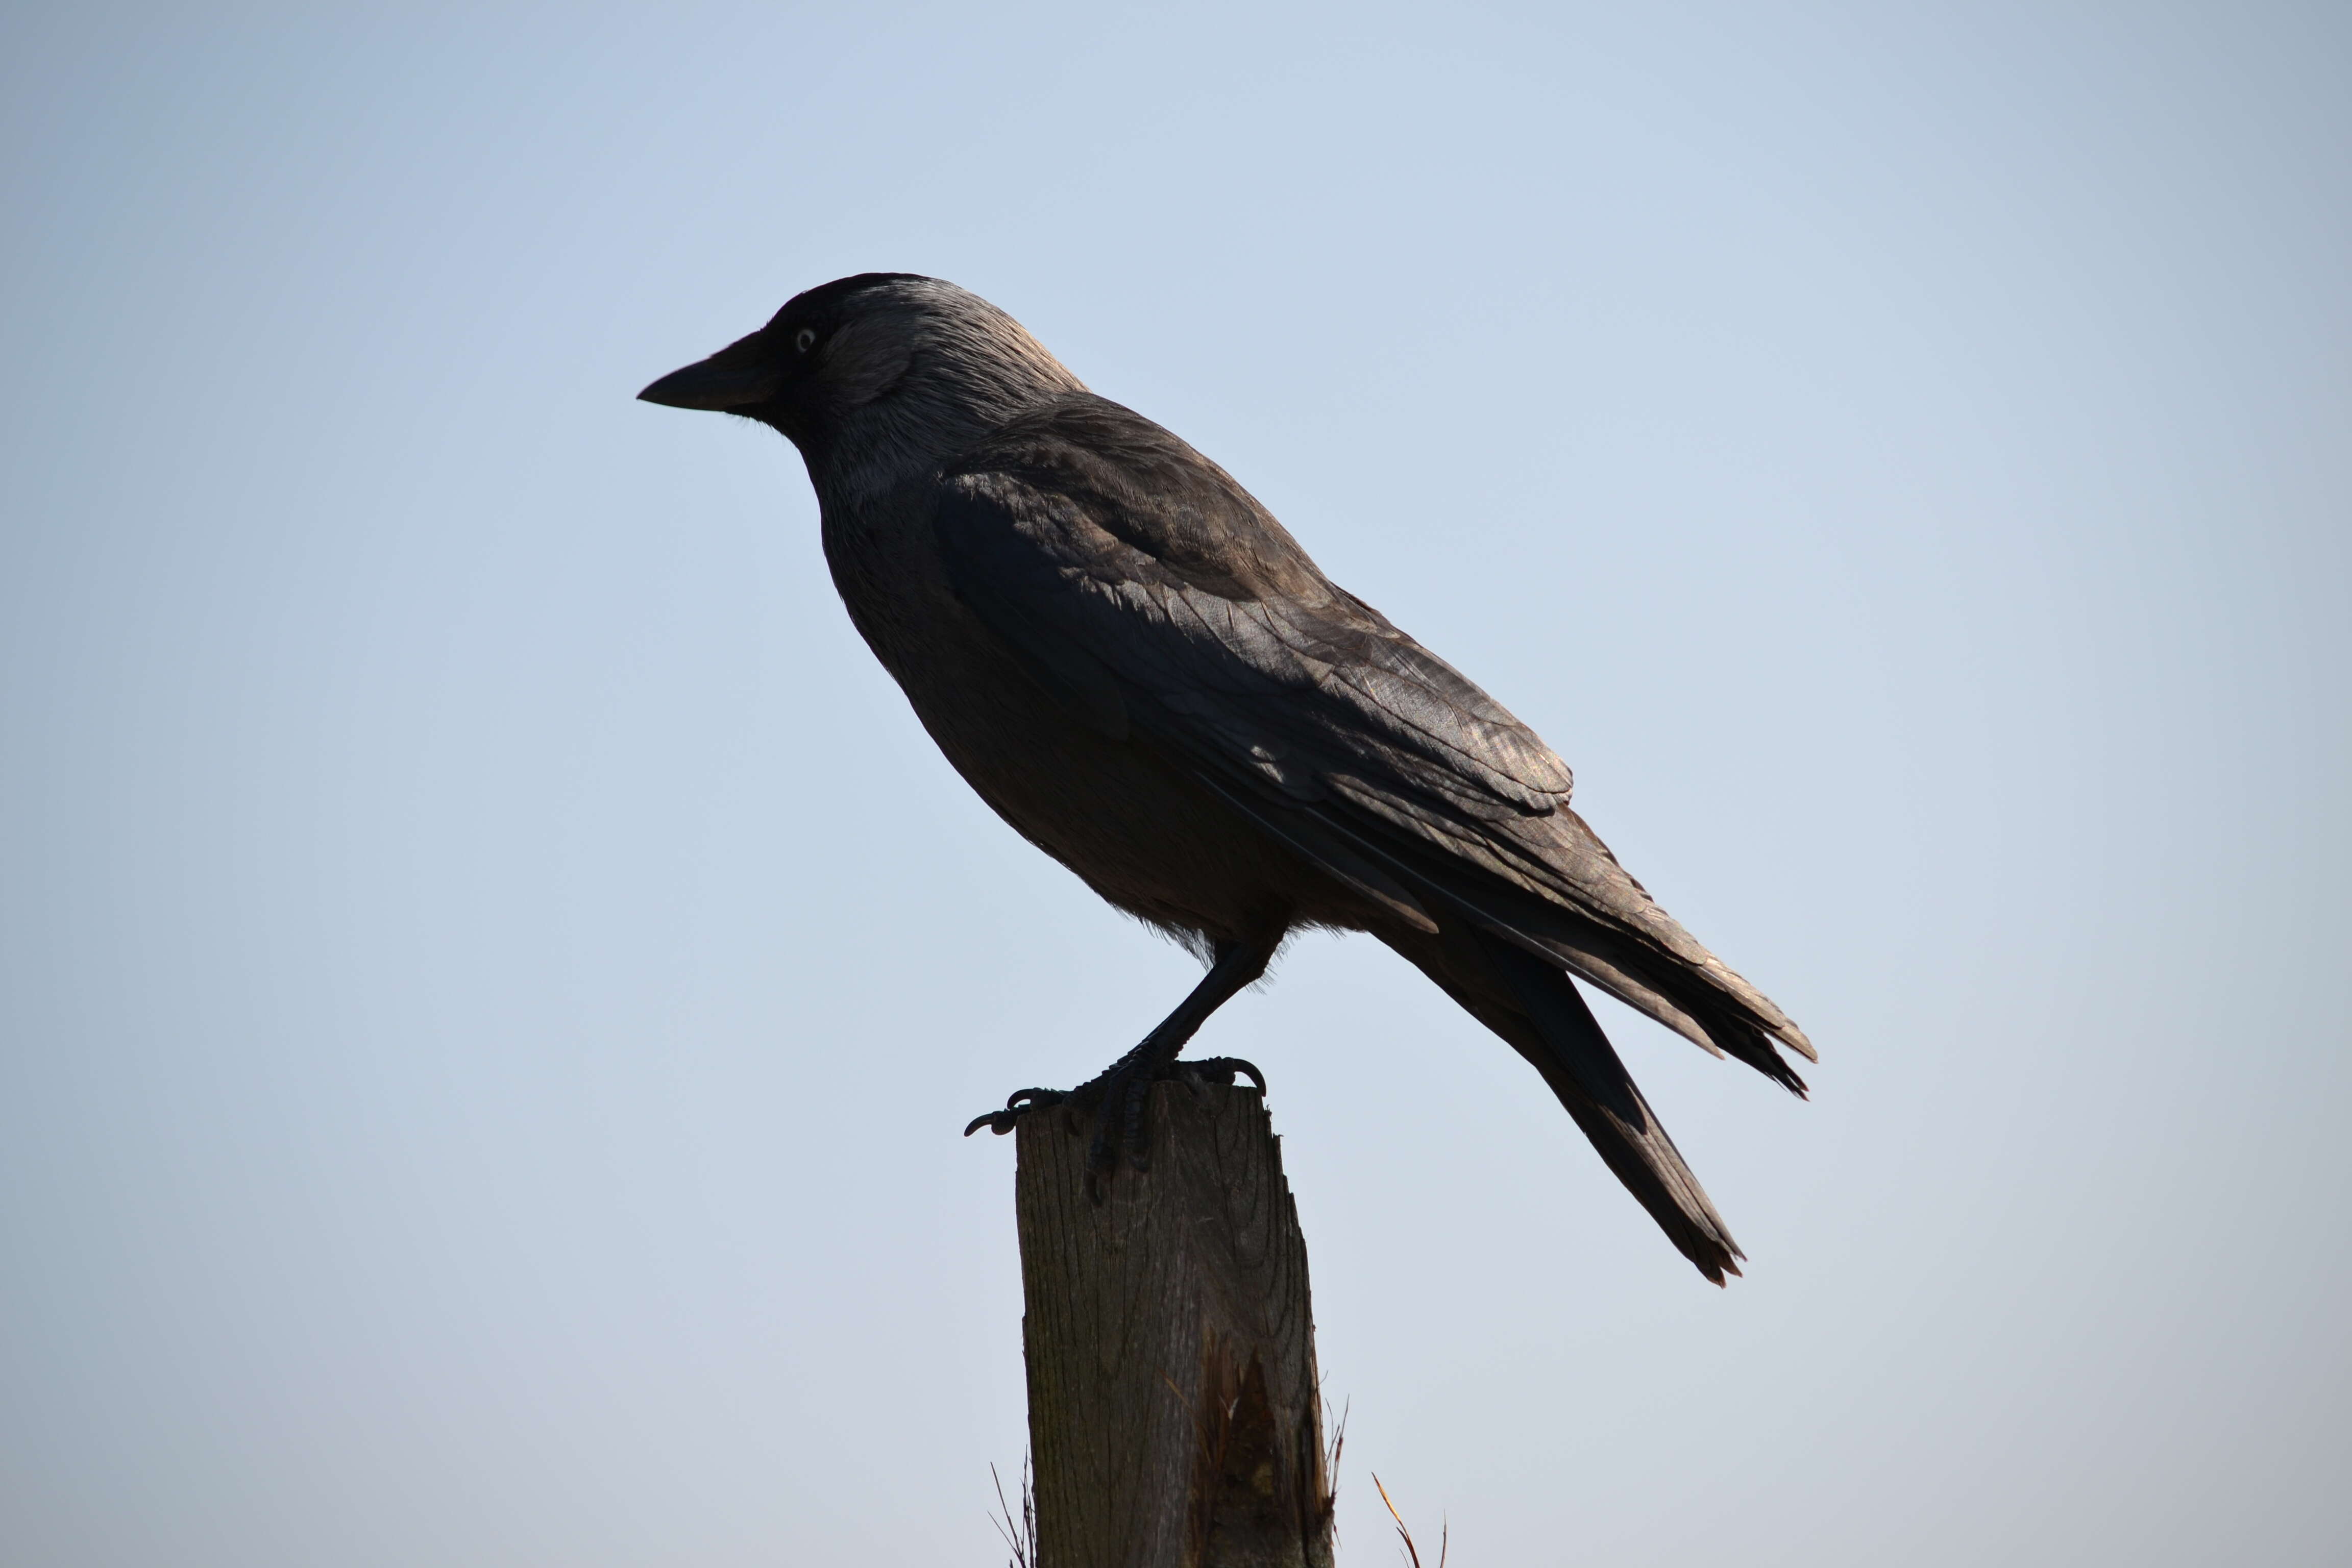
(491, 973)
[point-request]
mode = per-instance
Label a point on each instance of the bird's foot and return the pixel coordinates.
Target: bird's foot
(1020, 1102)
(1118, 1097)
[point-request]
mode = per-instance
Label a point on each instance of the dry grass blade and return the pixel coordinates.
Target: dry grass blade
(1444, 1533)
(1020, 1534)
(1331, 1465)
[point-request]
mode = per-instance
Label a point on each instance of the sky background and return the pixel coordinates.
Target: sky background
(491, 971)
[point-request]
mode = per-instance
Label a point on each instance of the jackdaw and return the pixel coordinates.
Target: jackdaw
(1139, 669)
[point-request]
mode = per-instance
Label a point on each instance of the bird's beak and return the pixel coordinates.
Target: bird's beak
(746, 372)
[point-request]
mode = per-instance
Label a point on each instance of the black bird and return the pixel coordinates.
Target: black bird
(1143, 673)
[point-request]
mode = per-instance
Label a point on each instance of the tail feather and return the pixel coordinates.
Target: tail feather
(1706, 1004)
(1539, 1011)
(1655, 967)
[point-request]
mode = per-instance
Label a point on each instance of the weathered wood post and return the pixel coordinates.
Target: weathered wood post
(1175, 1419)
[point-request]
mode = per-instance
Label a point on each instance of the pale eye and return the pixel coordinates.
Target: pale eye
(803, 340)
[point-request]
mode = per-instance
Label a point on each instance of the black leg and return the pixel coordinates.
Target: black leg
(1122, 1090)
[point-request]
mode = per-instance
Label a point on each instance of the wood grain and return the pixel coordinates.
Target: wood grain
(1174, 1415)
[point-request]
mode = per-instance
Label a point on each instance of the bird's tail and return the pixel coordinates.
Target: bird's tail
(1537, 1010)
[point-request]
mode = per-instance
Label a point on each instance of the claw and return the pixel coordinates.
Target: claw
(1017, 1104)
(1126, 1090)
(1224, 1069)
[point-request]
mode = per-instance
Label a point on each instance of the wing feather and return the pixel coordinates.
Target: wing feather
(1142, 581)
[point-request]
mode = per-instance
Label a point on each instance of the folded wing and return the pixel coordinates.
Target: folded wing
(1143, 582)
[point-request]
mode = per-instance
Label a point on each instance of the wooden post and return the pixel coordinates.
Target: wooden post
(1174, 1415)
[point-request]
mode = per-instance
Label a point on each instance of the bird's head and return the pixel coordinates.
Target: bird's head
(879, 368)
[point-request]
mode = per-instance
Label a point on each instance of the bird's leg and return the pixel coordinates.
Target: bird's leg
(1122, 1090)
